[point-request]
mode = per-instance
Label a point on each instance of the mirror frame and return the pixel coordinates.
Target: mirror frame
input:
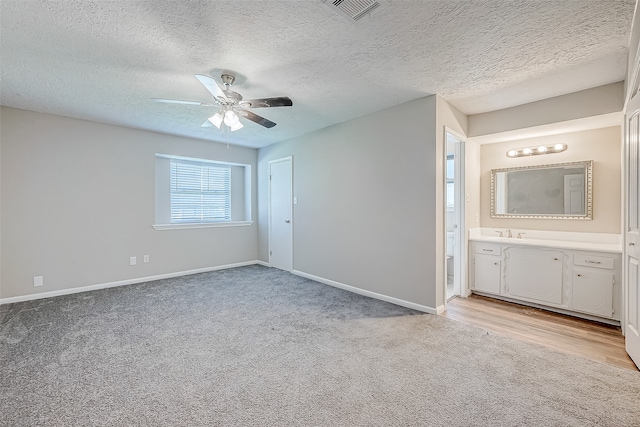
(588, 165)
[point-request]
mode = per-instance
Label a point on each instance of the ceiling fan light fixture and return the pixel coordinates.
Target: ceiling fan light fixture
(216, 119)
(236, 126)
(230, 118)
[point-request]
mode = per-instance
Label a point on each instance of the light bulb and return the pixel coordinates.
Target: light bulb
(526, 151)
(558, 147)
(230, 118)
(542, 149)
(216, 119)
(512, 153)
(236, 126)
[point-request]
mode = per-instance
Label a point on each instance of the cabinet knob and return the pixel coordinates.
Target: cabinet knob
(579, 275)
(555, 259)
(495, 263)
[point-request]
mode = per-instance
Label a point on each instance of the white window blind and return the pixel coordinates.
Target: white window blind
(200, 192)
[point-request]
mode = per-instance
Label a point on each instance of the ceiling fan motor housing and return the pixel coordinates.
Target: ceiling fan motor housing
(228, 79)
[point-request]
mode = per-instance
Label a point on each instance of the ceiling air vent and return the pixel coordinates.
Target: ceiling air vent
(353, 10)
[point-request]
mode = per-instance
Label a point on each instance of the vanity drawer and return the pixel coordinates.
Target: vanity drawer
(593, 261)
(488, 248)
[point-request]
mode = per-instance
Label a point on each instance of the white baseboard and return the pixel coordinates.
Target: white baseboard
(263, 263)
(440, 309)
(369, 294)
(123, 282)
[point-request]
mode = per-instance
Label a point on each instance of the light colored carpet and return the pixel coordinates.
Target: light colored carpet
(255, 346)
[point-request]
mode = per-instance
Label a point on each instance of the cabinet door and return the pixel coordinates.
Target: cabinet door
(593, 291)
(535, 274)
(487, 273)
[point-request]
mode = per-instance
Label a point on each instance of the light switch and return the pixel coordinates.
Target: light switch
(38, 281)
(295, 200)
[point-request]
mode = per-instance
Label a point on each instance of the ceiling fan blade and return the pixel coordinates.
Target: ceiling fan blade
(212, 86)
(176, 101)
(280, 101)
(256, 118)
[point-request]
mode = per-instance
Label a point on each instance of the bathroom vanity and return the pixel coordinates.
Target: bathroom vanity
(572, 273)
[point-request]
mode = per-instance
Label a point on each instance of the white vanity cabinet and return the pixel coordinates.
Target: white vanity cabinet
(488, 267)
(571, 281)
(593, 284)
(535, 274)
(487, 273)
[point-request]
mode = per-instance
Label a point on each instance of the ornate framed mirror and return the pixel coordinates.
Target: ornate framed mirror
(556, 191)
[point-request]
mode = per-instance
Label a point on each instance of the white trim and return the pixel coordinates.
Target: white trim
(369, 294)
(202, 225)
(460, 234)
(200, 160)
(440, 309)
(263, 263)
(68, 291)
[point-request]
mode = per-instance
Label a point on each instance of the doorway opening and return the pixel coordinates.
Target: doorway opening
(454, 214)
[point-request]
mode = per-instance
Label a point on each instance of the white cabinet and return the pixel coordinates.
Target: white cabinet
(487, 273)
(487, 267)
(535, 274)
(593, 284)
(567, 280)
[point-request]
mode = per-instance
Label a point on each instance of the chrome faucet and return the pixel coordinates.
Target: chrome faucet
(509, 235)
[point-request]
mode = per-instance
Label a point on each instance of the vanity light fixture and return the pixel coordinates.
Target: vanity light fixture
(533, 151)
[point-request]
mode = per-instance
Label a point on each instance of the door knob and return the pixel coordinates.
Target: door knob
(287, 221)
(631, 244)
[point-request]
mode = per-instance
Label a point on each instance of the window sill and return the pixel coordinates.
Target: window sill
(202, 225)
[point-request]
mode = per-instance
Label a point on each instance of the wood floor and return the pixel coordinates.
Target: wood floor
(595, 341)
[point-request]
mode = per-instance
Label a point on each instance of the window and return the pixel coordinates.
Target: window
(200, 192)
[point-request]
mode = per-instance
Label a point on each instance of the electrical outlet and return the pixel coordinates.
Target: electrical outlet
(146, 258)
(132, 260)
(38, 281)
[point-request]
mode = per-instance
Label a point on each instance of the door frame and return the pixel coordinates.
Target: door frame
(272, 162)
(632, 105)
(460, 234)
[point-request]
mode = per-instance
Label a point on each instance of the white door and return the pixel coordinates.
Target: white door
(574, 194)
(280, 214)
(632, 229)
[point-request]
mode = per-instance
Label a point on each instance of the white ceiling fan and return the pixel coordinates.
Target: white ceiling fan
(231, 104)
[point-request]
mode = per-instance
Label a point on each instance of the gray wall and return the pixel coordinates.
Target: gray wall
(592, 102)
(78, 200)
(368, 207)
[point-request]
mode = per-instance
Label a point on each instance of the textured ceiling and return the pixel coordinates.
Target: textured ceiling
(105, 60)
